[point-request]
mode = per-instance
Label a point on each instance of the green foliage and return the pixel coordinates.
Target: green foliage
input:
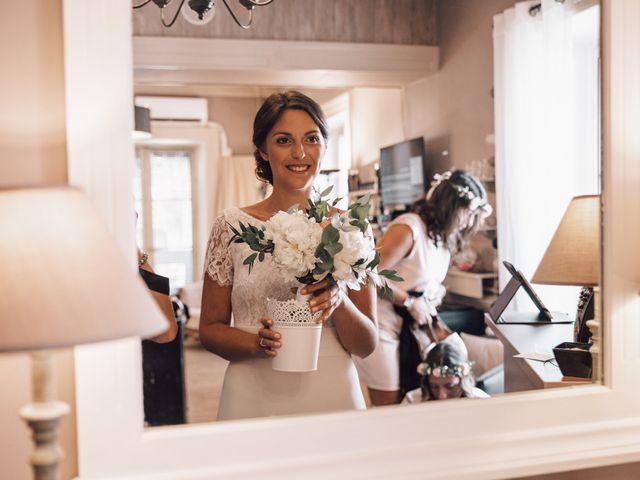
(391, 275)
(254, 237)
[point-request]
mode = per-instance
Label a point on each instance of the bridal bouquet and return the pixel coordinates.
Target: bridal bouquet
(317, 244)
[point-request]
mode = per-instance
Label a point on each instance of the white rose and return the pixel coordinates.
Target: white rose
(295, 238)
(355, 246)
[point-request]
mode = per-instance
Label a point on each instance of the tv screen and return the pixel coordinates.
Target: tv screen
(403, 173)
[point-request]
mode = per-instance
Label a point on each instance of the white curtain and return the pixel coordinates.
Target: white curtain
(237, 185)
(546, 85)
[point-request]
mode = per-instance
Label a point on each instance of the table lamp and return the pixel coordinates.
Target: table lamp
(573, 258)
(64, 282)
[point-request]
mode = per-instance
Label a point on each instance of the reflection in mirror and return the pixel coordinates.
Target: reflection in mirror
(512, 111)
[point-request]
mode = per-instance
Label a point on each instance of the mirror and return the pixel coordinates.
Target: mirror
(451, 107)
(109, 413)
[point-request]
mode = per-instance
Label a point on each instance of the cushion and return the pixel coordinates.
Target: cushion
(485, 352)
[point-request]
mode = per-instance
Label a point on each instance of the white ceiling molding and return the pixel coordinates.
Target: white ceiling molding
(185, 62)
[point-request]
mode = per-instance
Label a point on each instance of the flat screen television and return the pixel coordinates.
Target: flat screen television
(403, 173)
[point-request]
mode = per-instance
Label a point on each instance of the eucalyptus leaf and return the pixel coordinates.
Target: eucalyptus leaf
(250, 259)
(374, 263)
(333, 248)
(326, 191)
(330, 235)
(233, 229)
(364, 200)
(391, 275)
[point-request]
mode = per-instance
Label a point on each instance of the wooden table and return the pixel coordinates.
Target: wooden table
(522, 374)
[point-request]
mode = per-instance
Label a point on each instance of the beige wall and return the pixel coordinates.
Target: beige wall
(453, 109)
(376, 121)
(32, 142)
(235, 114)
(32, 151)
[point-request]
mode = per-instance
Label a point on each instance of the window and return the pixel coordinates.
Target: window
(542, 158)
(337, 159)
(164, 203)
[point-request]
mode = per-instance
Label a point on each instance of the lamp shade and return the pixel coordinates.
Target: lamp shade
(573, 256)
(142, 128)
(63, 280)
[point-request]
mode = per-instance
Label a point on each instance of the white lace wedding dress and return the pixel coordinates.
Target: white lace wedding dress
(251, 387)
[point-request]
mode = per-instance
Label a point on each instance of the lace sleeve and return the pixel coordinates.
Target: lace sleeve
(218, 264)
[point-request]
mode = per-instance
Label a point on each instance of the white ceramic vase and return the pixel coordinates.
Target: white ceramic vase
(300, 335)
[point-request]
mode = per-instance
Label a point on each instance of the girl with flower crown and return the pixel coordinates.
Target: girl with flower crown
(446, 373)
(418, 246)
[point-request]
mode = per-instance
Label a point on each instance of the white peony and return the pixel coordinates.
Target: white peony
(295, 238)
(355, 246)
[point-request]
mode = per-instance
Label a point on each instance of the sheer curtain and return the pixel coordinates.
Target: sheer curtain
(546, 85)
(237, 184)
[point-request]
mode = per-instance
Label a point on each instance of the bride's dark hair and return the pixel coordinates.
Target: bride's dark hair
(440, 210)
(269, 114)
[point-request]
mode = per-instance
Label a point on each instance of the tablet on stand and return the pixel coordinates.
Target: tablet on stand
(542, 317)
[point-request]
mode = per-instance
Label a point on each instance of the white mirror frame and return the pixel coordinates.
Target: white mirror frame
(510, 436)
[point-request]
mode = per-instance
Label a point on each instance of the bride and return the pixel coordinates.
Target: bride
(290, 136)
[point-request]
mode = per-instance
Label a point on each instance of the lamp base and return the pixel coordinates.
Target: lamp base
(44, 418)
(43, 415)
(594, 326)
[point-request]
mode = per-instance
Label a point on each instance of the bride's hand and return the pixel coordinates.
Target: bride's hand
(326, 298)
(268, 340)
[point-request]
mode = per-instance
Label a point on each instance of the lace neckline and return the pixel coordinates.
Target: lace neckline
(247, 214)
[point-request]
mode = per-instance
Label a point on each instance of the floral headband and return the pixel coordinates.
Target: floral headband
(460, 370)
(475, 202)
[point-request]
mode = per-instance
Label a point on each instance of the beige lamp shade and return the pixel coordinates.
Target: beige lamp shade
(573, 256)
(63, 280)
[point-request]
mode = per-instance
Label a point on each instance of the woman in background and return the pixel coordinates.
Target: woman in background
(419, 245)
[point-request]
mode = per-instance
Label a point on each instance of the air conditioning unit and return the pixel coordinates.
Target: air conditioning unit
(175, 108)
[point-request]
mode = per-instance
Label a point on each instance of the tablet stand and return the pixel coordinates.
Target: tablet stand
(541, 317)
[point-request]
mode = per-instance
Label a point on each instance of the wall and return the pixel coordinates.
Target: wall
(365, 21)
(32, 151)
(235, 114)
(32, 133)
(453, 109)
(376, 121)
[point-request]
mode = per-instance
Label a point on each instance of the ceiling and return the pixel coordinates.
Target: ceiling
(248, 68)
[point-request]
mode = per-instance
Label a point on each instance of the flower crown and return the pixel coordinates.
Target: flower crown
(475, 202)
(460, 370)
